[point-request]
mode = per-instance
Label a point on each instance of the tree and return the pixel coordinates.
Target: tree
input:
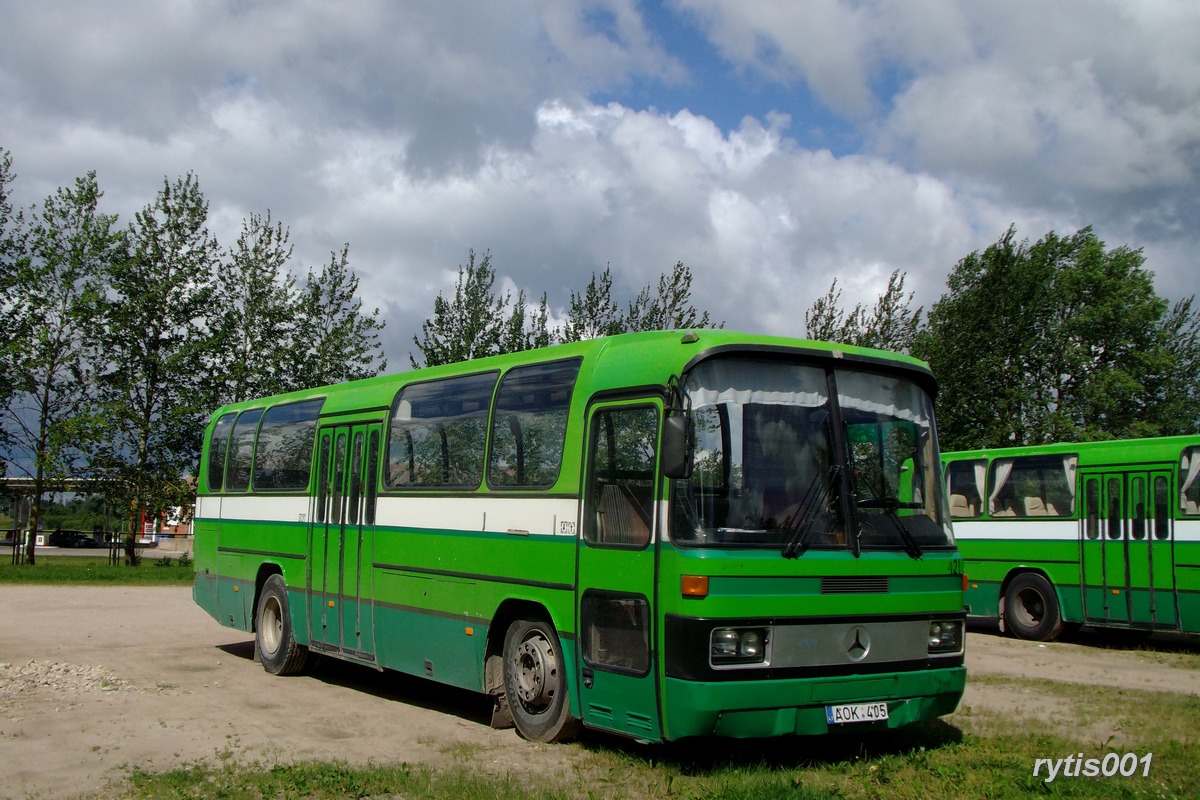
(10, 246)
(158, 390)
(1057, 341)
(889, 326)
(670, 308)
(255, 299)
(476, 323)
(336, 341)
(593, 312)
(53, 295)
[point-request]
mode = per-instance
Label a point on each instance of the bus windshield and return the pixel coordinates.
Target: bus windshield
(794, 456)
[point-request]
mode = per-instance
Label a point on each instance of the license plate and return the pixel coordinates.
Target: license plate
(856, 712)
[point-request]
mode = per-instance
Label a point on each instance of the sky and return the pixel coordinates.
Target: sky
(770, 146)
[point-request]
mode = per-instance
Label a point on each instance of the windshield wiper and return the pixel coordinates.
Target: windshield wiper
(799, 525)
(889, 505)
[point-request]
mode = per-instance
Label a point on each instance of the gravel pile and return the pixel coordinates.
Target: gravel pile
(51, 676)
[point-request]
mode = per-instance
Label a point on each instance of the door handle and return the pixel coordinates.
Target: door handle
(589, 677)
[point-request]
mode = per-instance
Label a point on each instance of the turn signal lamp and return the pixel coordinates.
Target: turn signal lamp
(694, 585)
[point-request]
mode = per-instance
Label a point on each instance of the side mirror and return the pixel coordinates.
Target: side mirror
(678, 432)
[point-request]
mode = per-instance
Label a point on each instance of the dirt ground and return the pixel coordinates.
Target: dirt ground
(96, 680)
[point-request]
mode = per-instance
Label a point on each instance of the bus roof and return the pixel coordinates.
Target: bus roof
(1111, 451)
(624, 360)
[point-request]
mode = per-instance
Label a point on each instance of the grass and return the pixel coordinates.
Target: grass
(89, 569)
(968, 755)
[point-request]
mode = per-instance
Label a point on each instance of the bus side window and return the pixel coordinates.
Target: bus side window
(241, 451)
(529, 425)
(1116, 521)
(437, 433)
(1093, 508)
(621, 484)
(323, 485)
(1162, 512)
(964, 479)
(1137, 491)
(284, 448)
(1189, 486)
(372, 476)
(218, 447)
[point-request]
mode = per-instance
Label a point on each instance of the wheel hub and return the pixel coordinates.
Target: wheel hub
(536, 672)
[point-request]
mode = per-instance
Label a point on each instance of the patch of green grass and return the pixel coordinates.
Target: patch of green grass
(932, 761)
(88, 569)
(1118, 717)
(317, 781)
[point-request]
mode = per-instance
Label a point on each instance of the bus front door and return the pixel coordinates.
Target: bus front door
(616, 666)
(342, 541)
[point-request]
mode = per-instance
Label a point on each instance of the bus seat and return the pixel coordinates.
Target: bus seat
(1192, 507)
(959, 507)
(622, 520)
(1035, 507)
(1005, 510)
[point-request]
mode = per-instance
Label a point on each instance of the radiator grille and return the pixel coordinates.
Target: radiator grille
(854, 584)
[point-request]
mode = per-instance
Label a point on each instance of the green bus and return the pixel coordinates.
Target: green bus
(662, 535)
(1103, 534)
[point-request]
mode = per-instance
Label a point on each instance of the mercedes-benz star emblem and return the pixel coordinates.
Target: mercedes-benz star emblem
(858, 643)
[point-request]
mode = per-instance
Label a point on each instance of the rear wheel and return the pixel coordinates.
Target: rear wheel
(277, 647)
(535, 682)
(1031, 608)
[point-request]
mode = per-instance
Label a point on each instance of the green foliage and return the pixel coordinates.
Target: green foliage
(336, 341)
(477, 322)
(118, 344)
(669, 308)
(891, 325)
(1057, 341)
(52, 300)
(593, 312)
(257, 298)
(156, 392)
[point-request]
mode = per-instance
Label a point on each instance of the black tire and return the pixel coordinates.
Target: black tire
(535, 682)
(277, 647)
(1031, 609)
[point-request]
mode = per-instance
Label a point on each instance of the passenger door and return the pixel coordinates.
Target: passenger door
(1102, 549)
(342, 540)
(1126, 548)
(617, 563)
(1149, 552)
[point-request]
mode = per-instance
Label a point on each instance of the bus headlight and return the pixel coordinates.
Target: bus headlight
(738, 646)
(945, 636)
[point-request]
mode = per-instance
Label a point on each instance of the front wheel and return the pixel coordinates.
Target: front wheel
(277, 647)
(1031, 608)
(535, 682)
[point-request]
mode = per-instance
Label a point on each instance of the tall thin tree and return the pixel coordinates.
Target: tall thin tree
(158, 390)
(57, 275)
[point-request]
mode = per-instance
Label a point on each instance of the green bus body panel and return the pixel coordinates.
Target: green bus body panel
(752, 709)
(1122, 581)
(760, 583)
(430, 597)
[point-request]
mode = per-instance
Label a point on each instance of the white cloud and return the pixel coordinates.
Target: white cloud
(417, 131)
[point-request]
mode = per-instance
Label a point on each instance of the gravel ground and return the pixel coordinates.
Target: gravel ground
(97, 680)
